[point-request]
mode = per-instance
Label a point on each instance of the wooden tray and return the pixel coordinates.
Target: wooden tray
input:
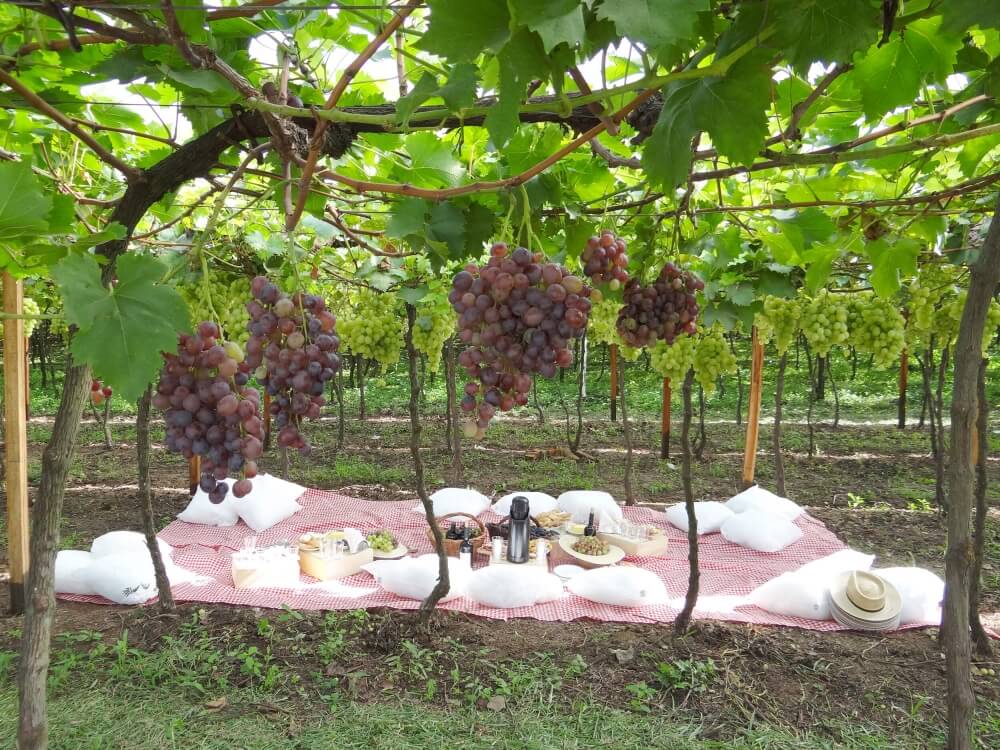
(652, 547)
(326, 569)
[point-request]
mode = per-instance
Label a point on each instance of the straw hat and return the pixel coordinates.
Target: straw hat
(865, 601)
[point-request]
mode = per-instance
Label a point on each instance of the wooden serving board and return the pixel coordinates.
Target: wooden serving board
(326, 569)
(653, 547)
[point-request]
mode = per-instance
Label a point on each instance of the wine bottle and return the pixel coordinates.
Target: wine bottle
(452, 531)
(590, 529)
(465, 549)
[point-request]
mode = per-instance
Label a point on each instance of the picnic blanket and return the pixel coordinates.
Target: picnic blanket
(728, 572)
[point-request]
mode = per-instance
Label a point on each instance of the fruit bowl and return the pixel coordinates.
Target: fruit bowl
(614, 554)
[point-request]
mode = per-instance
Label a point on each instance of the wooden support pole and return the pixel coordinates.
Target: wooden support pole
(665, 421)
(904, 372)
(753, 411)
(194, 473)
(16, 445)
(613, 364)
(27, 381)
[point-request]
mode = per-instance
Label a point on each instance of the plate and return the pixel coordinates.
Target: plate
(565, 572)
(393, 554)
(615, 554)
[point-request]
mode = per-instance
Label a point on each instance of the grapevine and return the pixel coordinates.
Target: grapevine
(662, 311)
(435, 322)
(877, 328)
(778, 321)
(371, 326)
(712, 358)
(952, 315)
(824, 321)
(673, 361)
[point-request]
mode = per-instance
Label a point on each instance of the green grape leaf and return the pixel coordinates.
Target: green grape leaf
(113, 231)
(408, 217)
(890, 76)
(820, 260)
(502, 118)
(479, 223)
(655, 22)
(23, 203)
(460, 90)
(412, 294)
(431, 160)
(960, 15)
(890, 263)
(666, 156)
(812, 30)
(424, 89)
(122, 330)
(807, 227)
(461, 33)
(555, 21)
(447, 225)
(203, 80)
(62, 218)
(740, 294)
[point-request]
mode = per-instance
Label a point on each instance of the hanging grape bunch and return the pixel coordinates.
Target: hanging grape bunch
(292, 345)
(210, 411)
(662, 311)
(99, 393)
(517, 316)
(604, 260)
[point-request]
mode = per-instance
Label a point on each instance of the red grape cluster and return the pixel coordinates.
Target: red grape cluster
(99, 392)
(604, 260)
(517, 315)
(662, 311)
(292, 345)
(210, 411)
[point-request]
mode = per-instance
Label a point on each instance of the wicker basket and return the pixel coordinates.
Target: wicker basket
(451, 545)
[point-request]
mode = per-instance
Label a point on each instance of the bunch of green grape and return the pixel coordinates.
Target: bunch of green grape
(602, 328)
(778, 321)
(877, 328)
(229, 297)
(372, 326)
(712, 358)
(932, 290)
(675, 360)
(824, 321)
(435, 322)
(951, 317)
(382, 541)
(30, 307)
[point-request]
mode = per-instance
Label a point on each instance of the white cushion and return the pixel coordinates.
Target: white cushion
(123, 578)
(804, 592)
(127, 543)
(757, 498)
(71, 572)
(710, 514)
(203, 511)
(761, 531)
(416, 577)
(450, 500)
(579, 503)
(921, 592)
(511, 586)
(620, 586)
(271, 501)
(538, 502)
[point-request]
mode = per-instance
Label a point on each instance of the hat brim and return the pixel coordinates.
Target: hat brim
(839, 599)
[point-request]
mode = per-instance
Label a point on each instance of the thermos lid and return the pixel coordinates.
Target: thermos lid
(519, 508)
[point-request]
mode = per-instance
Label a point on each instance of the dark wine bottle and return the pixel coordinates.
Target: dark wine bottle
(465, 549)
(453, 532)
(590, 529)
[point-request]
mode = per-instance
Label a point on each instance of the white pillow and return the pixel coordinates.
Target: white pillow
(415, 577)
(757, 498)
(127, 543)
(511, 586)
(123, 578)
(920, 591)
(805, 592)
(71, 572)
(538, 502)
(710, 514)
(838, 562)
(761, 531)
(620, 586)
(201, 510)
(271, 501)
(579, 503)
(450, 500)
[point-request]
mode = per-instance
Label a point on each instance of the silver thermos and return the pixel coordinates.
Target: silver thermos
(520, 530)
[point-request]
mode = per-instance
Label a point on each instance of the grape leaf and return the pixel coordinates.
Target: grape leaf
(820, 262)
(502, 118)
(431, 160)
(408, 216)
(412, 294)
(479, 223)
(460, 91)
(959, 15)
(23, 204)
(122, 330)
(891, 76)
(555, 21)
(812, 30)
(666, 156)
(655, 22)
(890, 262)
(424, 89)
(447, 225)
(461, 33)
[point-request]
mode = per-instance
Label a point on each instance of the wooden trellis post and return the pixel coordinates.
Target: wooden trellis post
(665, 421)
(194, 473)
(904, 372)
(753, 411)
(613, 364)
(16, 446)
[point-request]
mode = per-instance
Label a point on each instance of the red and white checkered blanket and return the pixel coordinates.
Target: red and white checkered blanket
(728, 572)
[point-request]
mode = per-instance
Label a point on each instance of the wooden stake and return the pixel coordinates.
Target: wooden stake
(16, 446)
(194, 473)
(904, 372)
(753, 411)
(27, 381)
(665, 421)
(613, 365)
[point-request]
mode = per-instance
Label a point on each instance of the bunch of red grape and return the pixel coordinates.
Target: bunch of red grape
(99, 392)
(662, 311)
(517, 315)
(292, 345)
(604, 260)
(210, 411)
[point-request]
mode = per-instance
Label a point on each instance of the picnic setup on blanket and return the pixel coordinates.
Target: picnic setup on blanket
(763, 559)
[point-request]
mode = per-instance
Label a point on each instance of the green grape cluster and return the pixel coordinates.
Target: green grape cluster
(951, 317)
(603, 321)
(382, 541)
(29, 307)
(674, 360)
(877, 328)
(712, 359)
(435, 322)
(372, 327)
(229, 297)
(929, 293)
(778, 321)
(824, 321)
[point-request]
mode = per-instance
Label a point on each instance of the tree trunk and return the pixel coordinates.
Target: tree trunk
(32, 733)
(454, 433)
(836, 394)
(854, 363)
(629, 497)
(941, 493)
(701, 440)
(534, 399)
(165, 597)
(820, 393)
(581, 386)
(779, 458)
(979, 636)
(442, 585)
(984, 276)
(691, 597)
